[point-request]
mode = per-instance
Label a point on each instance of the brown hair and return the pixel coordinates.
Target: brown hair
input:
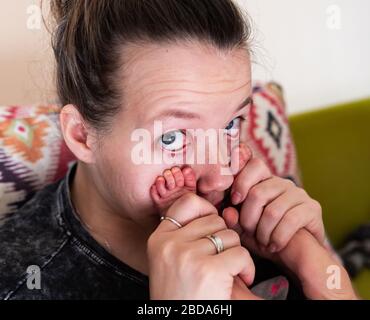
(90, 35)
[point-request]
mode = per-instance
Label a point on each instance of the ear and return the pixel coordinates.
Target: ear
(76, 134)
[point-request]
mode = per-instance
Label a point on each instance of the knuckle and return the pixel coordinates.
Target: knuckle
(317, 204)
(278, 239)
(292, 220)
(290, 183)
(167, 250)
(302, 192)
(243, 252)
(221, 223)
(234, 236)
(272, 212)
(255, 193)
(186, 257)
(217, 221)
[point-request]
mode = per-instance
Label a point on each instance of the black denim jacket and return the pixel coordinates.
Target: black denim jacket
(46, 233)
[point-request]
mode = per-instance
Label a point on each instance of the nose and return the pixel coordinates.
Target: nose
(211, 179)
(215, 176)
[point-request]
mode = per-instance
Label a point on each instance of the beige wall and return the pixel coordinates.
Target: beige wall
(318, 49)
(317, 65)
(26, 69)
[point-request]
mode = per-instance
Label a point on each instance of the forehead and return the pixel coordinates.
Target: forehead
(156, 76)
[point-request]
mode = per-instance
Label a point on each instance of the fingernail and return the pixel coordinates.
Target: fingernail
(272, 248)
(236, 197)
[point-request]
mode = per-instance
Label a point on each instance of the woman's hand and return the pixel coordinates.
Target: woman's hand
(321, 275)
(183, 264)
(272, 209)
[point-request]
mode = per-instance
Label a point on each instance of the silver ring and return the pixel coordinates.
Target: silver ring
(172, 220)
(217, 242)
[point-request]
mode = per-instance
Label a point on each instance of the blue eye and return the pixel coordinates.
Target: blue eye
(173, 141)
(234, 125)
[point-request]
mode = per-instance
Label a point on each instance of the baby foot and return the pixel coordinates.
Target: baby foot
(171, 186)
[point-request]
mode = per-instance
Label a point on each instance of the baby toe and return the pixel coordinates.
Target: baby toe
(155, 194)
(161, 187)
(179, 177)
(189, 177)
(170, 180)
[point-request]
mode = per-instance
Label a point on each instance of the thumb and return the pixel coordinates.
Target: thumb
(231, 217)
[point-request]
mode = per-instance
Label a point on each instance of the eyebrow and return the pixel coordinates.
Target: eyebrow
(175, 113)
(244, 104)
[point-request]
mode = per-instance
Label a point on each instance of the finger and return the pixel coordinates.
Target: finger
(228, 237)
(231, 217)
(275, 210)
(239, 157)
(202, 227)
(254, 172)
(294, 220)
(258, 197)
(185, 209)
(236, 261)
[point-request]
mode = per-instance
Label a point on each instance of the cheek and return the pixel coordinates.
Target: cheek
(127, 186)
(142, 177)
(129, 181)
(138, 180)
(135, 182)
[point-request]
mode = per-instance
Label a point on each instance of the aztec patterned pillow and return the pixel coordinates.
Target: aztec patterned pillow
(269, 134)
(33, 153)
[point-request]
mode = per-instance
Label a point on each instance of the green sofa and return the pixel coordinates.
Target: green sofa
(333, 147)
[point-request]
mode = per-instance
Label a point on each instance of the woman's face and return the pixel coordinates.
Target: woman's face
(181, 87)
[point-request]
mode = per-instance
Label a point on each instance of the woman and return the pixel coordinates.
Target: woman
(122, 68)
